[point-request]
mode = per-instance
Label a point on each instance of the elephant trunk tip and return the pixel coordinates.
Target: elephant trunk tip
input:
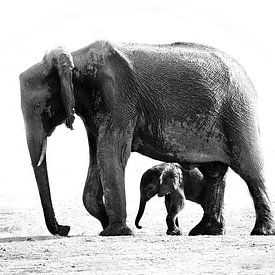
(140, 212)
(137, 225)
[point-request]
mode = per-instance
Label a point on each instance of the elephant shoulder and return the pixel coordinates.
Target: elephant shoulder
(104, 64)
(107, 55)
(101, 58)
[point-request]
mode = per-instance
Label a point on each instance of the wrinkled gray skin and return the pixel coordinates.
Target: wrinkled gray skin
(176, 184)
(183, 103)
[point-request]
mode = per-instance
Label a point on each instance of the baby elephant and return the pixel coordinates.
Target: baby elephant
(175, 183)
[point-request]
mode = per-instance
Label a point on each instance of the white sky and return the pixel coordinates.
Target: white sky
(244, 29)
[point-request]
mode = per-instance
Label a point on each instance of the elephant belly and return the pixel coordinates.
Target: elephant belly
(185, 143)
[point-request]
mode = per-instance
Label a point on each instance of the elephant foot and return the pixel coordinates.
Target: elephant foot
(174, 232)
(263, 230)
(208, 226)
(63, 230)
(117, 229)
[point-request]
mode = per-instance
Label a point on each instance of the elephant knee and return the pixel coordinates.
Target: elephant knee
(94, 206)
(86, 202)
(90, 204)
(96, 209)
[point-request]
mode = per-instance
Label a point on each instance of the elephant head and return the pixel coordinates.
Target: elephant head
(47, 100)
(161, 180)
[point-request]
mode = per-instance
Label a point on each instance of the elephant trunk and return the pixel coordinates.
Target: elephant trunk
(141, 209)
(37, 149)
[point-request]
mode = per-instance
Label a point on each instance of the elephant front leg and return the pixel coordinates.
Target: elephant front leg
(93, 196)
(173, 210)
(212, 201)
(113, 153)
(172, 228)
(93, 192)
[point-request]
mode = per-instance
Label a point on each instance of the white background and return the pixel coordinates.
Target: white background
(243, 29)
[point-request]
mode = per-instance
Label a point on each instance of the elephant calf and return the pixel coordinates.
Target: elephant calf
(176, 184)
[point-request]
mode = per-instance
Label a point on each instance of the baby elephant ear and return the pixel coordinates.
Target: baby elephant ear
(170, 180)
(177, 179)
(173, 184)
(168, 186)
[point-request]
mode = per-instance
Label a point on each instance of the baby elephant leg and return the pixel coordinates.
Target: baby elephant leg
(174, 204)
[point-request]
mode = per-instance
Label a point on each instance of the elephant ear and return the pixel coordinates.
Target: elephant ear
(170, 180)
(173, 184)
(62, 61)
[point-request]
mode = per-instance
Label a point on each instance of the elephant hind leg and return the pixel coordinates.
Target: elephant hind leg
(264, 219)
(251, 172)
(212, 200)
(247, 161)
(93, 197)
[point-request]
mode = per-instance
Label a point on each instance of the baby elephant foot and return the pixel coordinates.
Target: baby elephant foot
(117, 229)
(174, 232)
(208, 226)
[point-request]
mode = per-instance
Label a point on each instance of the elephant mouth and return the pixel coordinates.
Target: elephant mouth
(163, 191)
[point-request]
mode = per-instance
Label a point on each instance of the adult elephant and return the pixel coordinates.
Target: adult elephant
(182, 102)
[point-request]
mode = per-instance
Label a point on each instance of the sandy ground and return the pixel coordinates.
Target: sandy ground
(27, 247)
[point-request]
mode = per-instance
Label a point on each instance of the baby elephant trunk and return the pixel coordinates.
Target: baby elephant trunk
(141, 209)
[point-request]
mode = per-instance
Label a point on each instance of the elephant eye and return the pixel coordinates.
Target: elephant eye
(38, 104)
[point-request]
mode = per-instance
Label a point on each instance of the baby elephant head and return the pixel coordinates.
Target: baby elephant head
(170, 179)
